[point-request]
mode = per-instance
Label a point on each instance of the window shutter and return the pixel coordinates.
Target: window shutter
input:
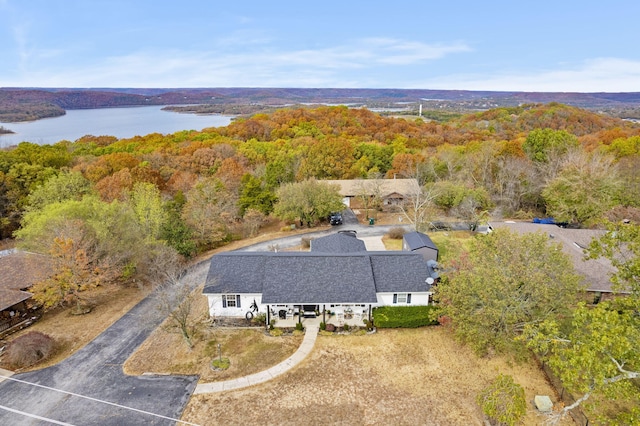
(408, 298)
(395, 297)
(224, 301)
(238, 301)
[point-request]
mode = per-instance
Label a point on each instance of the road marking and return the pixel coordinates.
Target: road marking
(33, 416)
(98, 400)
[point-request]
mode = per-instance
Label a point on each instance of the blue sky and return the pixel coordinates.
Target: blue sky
(561, 45)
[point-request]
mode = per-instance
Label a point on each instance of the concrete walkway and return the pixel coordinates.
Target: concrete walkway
(373, 243)
(305, 348)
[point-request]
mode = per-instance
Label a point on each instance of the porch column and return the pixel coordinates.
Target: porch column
(369, 312)
(268, 317)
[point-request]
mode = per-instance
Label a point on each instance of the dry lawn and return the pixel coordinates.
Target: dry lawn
(398, 377)
(72, 332)
(249, 349)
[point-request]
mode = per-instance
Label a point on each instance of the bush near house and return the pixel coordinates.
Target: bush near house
(403, 316)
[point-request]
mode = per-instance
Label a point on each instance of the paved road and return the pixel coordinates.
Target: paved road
(96, 372)
(350, 223)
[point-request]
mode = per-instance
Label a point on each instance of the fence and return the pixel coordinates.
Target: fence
(567, 399)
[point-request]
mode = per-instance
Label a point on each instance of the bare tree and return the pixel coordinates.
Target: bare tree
(417, 206)
(181, 305)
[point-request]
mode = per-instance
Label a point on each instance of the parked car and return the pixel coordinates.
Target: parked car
(335, 219)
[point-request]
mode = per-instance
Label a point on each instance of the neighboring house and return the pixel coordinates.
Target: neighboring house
(390, 191)
(340, 279)
(596, 272)
(18, 271)
(418, 242)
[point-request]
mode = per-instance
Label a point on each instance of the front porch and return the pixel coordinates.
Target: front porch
(288, 317)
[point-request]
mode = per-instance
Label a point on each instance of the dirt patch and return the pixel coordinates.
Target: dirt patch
(398, 377)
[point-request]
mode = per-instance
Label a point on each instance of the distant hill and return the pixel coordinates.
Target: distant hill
(21, 104)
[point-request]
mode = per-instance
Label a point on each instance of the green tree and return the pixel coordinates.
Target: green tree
(146, 201)
(108, 233)
(65, 186)
(175, 231)
(598, 353)
(542, 144)
(585, 188)
(506, 281)
(503, 401)
(307, 201)
(254, 194)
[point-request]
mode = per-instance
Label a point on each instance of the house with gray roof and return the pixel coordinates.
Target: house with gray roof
(283, 284)
(596, 273)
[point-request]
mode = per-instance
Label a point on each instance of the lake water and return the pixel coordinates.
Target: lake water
(118, 122)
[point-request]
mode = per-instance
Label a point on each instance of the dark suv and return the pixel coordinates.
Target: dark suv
(335, 219)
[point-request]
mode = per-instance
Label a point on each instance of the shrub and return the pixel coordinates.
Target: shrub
(29, 349)
(323, 326)
(299, 326)
(220, 364)
(272, 324)
(404, 316)
(368, 325)
(260, 319)
(396, 233)
(345, 327)
(503, 401)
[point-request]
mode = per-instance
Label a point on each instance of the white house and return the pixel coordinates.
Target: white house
(283, 284)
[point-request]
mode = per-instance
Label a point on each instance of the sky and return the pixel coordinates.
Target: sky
(527, 45)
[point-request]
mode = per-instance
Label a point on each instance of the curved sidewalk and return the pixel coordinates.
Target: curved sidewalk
(305, 348)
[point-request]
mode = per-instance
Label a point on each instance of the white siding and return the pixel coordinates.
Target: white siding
(216, 309)
(386, 299)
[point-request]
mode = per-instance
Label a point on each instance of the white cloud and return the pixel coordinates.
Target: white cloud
(256, 65)
(594, 75)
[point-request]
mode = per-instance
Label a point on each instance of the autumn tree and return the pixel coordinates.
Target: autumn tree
(72, 275)
(505, 282)
(108, 233)
(307, 201)
(208, 211)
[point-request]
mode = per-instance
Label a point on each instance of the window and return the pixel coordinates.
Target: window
(402, 298)
(230, 300)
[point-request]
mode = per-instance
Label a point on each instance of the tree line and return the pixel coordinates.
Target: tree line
(110, 210)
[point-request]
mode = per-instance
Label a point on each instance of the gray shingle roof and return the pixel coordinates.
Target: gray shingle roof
(596, 272)
(416, 240)
(314, 278)
(399, 272)
(338, 243)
